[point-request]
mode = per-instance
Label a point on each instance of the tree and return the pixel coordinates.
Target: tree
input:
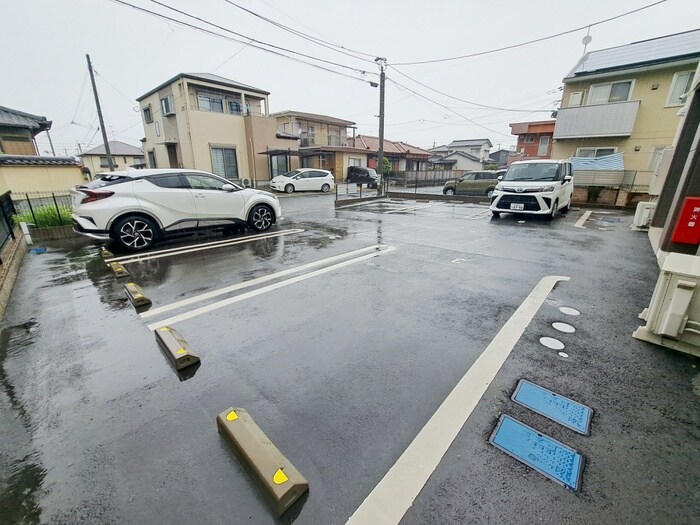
(386, 168)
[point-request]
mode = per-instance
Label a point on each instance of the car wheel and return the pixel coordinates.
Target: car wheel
(261, 218)
(325, 188)
(135, 233)
(554, 210)
(565, 209)
(289, 188)
(496, 213)
(449, 191)
(489, 193)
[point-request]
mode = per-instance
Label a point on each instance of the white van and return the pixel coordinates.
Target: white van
(537, 187)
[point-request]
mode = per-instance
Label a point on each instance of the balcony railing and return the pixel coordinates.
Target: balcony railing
(334, 140)
(601, 120)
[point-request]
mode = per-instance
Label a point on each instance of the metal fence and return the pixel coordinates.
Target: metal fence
(42, 209)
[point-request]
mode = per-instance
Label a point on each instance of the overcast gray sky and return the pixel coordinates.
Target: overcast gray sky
(44, 69)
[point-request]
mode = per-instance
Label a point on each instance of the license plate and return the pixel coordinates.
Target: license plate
(517, 206)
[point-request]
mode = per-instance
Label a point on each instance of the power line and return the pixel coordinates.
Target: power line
(80, 97)
(213, 33)
(261, 42)
(324, 43)
(461, 99)
(447, 108)
(471, 55)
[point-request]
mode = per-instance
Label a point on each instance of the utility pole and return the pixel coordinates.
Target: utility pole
(53, 152)
(381, 62)
(110, 162)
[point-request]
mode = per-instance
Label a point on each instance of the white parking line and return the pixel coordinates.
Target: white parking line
(582, 220)
(253, 282)
(413, 208)
(254, 293)
(392, 497)
(125, 259)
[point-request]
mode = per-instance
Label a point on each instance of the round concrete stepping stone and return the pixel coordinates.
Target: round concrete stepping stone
(569, 311)
(563, 327)
(550, 342)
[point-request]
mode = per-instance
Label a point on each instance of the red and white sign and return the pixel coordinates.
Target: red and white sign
(687, 229)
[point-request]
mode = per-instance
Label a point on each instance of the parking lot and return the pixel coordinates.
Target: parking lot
(342, 332)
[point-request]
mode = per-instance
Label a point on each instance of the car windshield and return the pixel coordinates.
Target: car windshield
(533, 171)
(372, 173)
(291, 173)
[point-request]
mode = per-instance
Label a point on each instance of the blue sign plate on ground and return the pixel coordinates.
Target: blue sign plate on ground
(558, 408)
(546, 455)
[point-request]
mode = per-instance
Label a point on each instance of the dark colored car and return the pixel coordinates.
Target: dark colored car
(360, 175)
(473, 183)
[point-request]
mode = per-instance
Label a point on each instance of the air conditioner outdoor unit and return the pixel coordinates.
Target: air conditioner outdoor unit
(643, 215)
(673, 316)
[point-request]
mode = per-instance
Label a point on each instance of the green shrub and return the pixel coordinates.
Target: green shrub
(46, 216)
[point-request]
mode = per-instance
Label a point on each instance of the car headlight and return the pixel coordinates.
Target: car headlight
(499, 187)
(547, 188)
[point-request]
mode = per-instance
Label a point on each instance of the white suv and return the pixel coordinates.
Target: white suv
(539, 187)
(135, 208)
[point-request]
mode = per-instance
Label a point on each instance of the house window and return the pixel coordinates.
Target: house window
(610, 92)
(681, 84)
(210, 102)
(595, 152)
(352, 161)
(529, 139)
(224, 162)
(234, 107)
(166, 105)
(147, 114)
(544, 146)
(104, 163)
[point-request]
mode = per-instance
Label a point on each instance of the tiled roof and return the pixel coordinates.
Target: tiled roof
(35, 160)
(390, 147)
(20, 119)
(637, 54)
(116, 148)
(314, 117)
(206, 77)
(469, 142)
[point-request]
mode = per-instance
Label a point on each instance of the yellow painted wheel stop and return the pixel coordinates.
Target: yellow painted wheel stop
(281, 481)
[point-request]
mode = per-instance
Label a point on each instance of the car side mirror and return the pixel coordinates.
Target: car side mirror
(567, 178)
(228, 187)
(499, 178)
(296, 177)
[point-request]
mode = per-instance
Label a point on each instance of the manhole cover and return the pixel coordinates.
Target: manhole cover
(564, 327)
(550, 342)
(547, 456)
(569, 311)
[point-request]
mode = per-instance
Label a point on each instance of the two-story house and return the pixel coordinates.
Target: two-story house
(323, 142)
(124, 156)
(479, 148)
(204, 121)
(534, 140)
(626, 100)
(22, 169)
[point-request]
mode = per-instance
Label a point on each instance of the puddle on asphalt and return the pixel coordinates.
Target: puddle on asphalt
(20, 470)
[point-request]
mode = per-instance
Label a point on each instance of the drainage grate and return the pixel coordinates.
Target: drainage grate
(547, 456)
(558, 408)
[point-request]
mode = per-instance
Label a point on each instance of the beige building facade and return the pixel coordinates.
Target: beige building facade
(627, 100)
(203, 121)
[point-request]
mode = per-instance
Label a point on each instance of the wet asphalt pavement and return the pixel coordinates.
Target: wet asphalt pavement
(342, 370)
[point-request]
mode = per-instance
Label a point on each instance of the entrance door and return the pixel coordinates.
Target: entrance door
(172, 155)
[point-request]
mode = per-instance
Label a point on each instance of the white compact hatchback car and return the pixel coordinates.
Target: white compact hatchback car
(304, 179)
(135, 208)
(538, 187)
